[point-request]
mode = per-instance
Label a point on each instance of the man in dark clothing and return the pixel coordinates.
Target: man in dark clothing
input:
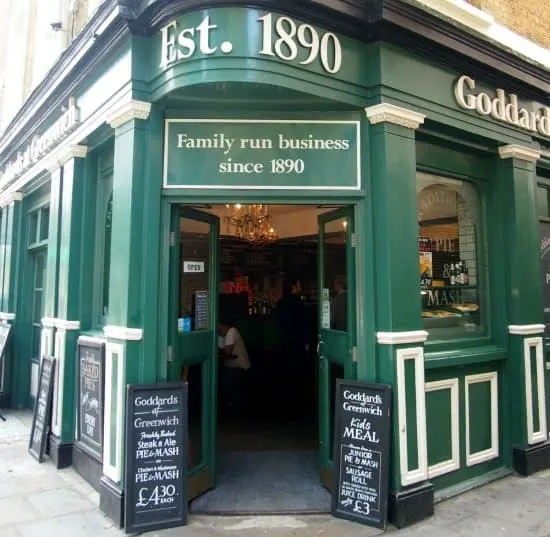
(340, 305)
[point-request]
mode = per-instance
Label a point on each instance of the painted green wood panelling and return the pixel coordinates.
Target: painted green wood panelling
(70, 248)
(393, 171)
(534, 389)
(52, 265)
(479, 413)
(5, 239)
(410, 401)
(438, 422)
(411, 81)
(517, 180)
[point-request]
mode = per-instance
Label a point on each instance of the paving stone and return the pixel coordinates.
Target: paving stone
(52, 503)
(85, 524)
(22, 487)
(14, 511)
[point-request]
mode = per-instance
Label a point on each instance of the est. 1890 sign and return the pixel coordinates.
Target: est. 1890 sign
(262, 154)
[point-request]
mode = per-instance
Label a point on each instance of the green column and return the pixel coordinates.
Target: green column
(125, 360)
(11, 241)
(525, 366)
(398, 308)
(66, 321)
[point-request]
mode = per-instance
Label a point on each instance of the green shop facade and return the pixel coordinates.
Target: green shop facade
(436, 151)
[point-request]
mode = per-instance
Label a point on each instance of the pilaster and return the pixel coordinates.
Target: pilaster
(66, 323)
(124, 356)
(525, 367)
(10, 239)
(400, 340)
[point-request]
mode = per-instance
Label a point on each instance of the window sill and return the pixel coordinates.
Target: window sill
(464, 356)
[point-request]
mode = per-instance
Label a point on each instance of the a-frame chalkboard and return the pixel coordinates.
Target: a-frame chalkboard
(42, 409)
(361, 452)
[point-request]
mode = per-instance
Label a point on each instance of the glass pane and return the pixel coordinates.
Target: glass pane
(33, 227)
(107, 256)
(44, 223)
(35, 345)
(336, 372)
(450, 284)
(335, 271)
(194, 288)
(542, 201)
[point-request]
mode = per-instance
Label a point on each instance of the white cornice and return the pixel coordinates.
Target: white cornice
(73, 151)
(7, 316)
(67, 325)
(525, 329)
(48, 322)
(462, 12)
(389, 113)
(91, 339)
(123, 333)
(129, 110)
(520, 152)
(10, 197)
(399, 338)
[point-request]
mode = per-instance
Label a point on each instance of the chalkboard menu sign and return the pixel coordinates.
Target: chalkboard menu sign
(544, 228)
(91, 383)
(361, 452)
(156, 457)
(5, 330)
(42, 409)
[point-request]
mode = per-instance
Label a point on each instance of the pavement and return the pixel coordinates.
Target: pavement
(36, 500)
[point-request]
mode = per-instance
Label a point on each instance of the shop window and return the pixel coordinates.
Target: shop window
(39, 221)
(543, 205)
(104, 209)
(450, 275)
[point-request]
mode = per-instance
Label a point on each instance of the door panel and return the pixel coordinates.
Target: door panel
(192, 335)
(336, 322)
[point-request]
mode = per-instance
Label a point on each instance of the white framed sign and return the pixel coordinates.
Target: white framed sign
(193, 266)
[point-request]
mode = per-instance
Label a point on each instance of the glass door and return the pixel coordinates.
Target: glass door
(193, 334)
(39, 280)
(335, 349)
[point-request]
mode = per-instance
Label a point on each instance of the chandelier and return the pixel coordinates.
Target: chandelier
(250, 223)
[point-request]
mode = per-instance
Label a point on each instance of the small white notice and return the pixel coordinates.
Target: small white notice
(325, 310)
(193, 266)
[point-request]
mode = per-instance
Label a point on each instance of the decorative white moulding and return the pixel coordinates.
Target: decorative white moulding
(67, 325)
(72, 151)
(520, 152)
(123, 333)
(7, 316)
(462, 12)
(48, 322)
(399, 338)
(10, 197)
(128, 111)
(525, 329)
(390, 113)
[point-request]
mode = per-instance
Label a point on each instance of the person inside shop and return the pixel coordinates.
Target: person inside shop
(339, 313)
(234, 366)
(291, 316)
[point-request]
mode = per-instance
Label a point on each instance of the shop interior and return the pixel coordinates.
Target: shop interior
(267, 433)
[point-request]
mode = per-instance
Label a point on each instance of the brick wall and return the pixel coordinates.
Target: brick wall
(530, 18)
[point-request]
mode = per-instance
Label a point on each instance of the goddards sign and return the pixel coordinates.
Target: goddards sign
(502, 106)
(42, 143)
(262, 154)
(227, 31)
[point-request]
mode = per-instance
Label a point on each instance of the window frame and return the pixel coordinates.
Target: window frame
(434, 342)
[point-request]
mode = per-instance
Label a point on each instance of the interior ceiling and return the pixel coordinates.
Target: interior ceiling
(289, 221)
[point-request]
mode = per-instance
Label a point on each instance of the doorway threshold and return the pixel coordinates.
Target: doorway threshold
(266, 482)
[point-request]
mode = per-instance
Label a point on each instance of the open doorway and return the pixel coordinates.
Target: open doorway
(267, 272)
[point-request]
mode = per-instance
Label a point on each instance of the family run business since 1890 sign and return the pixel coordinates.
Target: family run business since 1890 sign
(262, 154)
(361, 452)
(156, 456)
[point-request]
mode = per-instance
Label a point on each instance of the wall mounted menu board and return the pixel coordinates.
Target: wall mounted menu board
(361, 452)
(156, 457)
(90, 395)
(42, 409)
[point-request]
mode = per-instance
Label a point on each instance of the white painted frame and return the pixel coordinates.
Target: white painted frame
(408, 477)
(259, 186)
(541, 434)
(59, 386)
(114, 471)
(492, 452)
(452, 464)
